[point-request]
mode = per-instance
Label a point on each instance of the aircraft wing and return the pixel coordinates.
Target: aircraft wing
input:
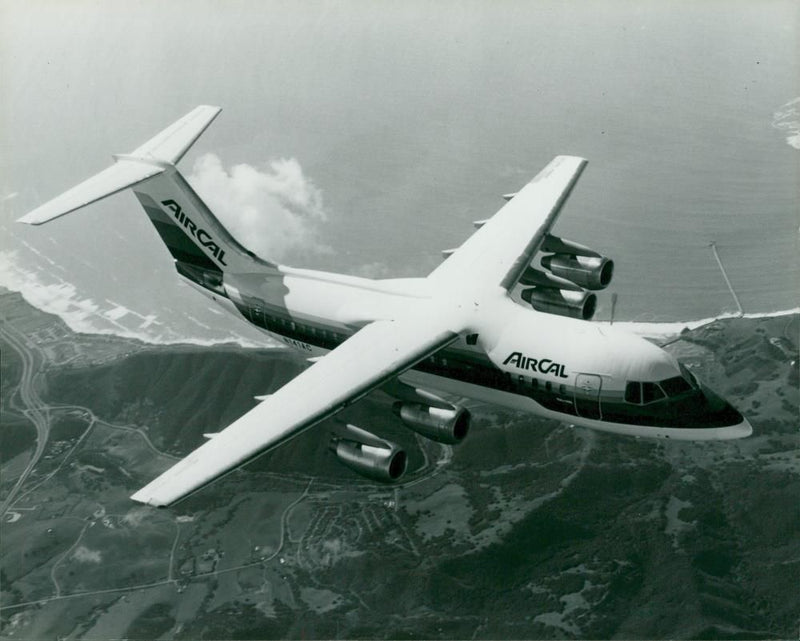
(498, 253)
(375, 354)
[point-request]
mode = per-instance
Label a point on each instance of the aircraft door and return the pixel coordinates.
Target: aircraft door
(587, 395)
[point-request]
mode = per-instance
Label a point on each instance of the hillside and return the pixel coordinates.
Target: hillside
(529, 529)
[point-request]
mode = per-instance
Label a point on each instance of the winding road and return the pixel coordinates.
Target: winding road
(33, 407)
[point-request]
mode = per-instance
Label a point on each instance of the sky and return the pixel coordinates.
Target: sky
(366, 136)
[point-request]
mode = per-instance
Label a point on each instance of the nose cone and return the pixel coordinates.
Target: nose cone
(725, 420)
(731, 422)
(740, 430)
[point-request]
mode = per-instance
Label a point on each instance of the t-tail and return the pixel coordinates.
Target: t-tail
(201, 246)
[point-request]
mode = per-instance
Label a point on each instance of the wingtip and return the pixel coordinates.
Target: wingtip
(146, 499)
(212, 111)
(579, 159)
(43, 214)
(28, 219)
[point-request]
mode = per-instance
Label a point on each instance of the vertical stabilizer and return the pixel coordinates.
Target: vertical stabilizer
(198, 242)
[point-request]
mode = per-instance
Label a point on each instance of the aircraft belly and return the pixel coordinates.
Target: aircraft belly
(673, 433)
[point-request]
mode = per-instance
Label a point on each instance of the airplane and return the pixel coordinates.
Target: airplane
(504, 319)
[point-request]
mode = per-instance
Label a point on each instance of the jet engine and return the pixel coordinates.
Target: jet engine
(577, 263)
(577, 304)
(445, 425)
(369, 455)
(571, 269)
(591, 272)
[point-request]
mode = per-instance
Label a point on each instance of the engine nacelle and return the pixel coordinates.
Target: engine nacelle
(444, 425)
(565, 302)
(591, 272)
(533, 277)
(377, 458)
(558, 245)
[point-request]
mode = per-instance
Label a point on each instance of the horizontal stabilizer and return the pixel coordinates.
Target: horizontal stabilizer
(119, 176)
(172, 143)
(148, 160)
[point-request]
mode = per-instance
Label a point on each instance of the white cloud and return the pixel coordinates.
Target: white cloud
(274, 211)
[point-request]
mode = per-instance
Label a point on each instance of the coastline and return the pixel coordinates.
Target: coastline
(669, 329)
(78, 316)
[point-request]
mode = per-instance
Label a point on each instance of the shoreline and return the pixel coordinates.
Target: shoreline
(81, 324)
(666, 329)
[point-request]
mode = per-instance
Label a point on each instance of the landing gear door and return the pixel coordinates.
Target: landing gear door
(587, 395)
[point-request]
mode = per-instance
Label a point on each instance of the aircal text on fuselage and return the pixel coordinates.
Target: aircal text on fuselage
(202, 236)
(541, 365)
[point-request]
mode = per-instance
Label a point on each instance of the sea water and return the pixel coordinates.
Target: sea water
(407, 125)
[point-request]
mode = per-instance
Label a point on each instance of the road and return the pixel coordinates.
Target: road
(32, 405)
(170, 565)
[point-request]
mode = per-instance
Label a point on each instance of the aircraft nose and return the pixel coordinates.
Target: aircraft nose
(729, 422)
(742, 430)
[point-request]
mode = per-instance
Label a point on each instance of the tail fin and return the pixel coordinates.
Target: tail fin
(195, 238)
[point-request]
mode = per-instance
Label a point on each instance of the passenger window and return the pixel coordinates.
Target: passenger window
(675, 386)
(548, 386)
(535, 384)
(633, 393)
(651, 392)
(562, 389)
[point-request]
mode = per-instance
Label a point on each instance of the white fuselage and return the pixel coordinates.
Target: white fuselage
(552, 366)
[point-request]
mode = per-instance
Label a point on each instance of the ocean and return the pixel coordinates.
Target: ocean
(367, 138)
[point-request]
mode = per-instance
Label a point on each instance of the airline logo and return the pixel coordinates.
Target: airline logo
(202, 236)
(543, 366)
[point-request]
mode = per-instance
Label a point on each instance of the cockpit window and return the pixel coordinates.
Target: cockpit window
(643, 393)
(651, 392)
(633, 392)
(675, 386)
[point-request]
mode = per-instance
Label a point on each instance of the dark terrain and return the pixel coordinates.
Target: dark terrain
(529, 529)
